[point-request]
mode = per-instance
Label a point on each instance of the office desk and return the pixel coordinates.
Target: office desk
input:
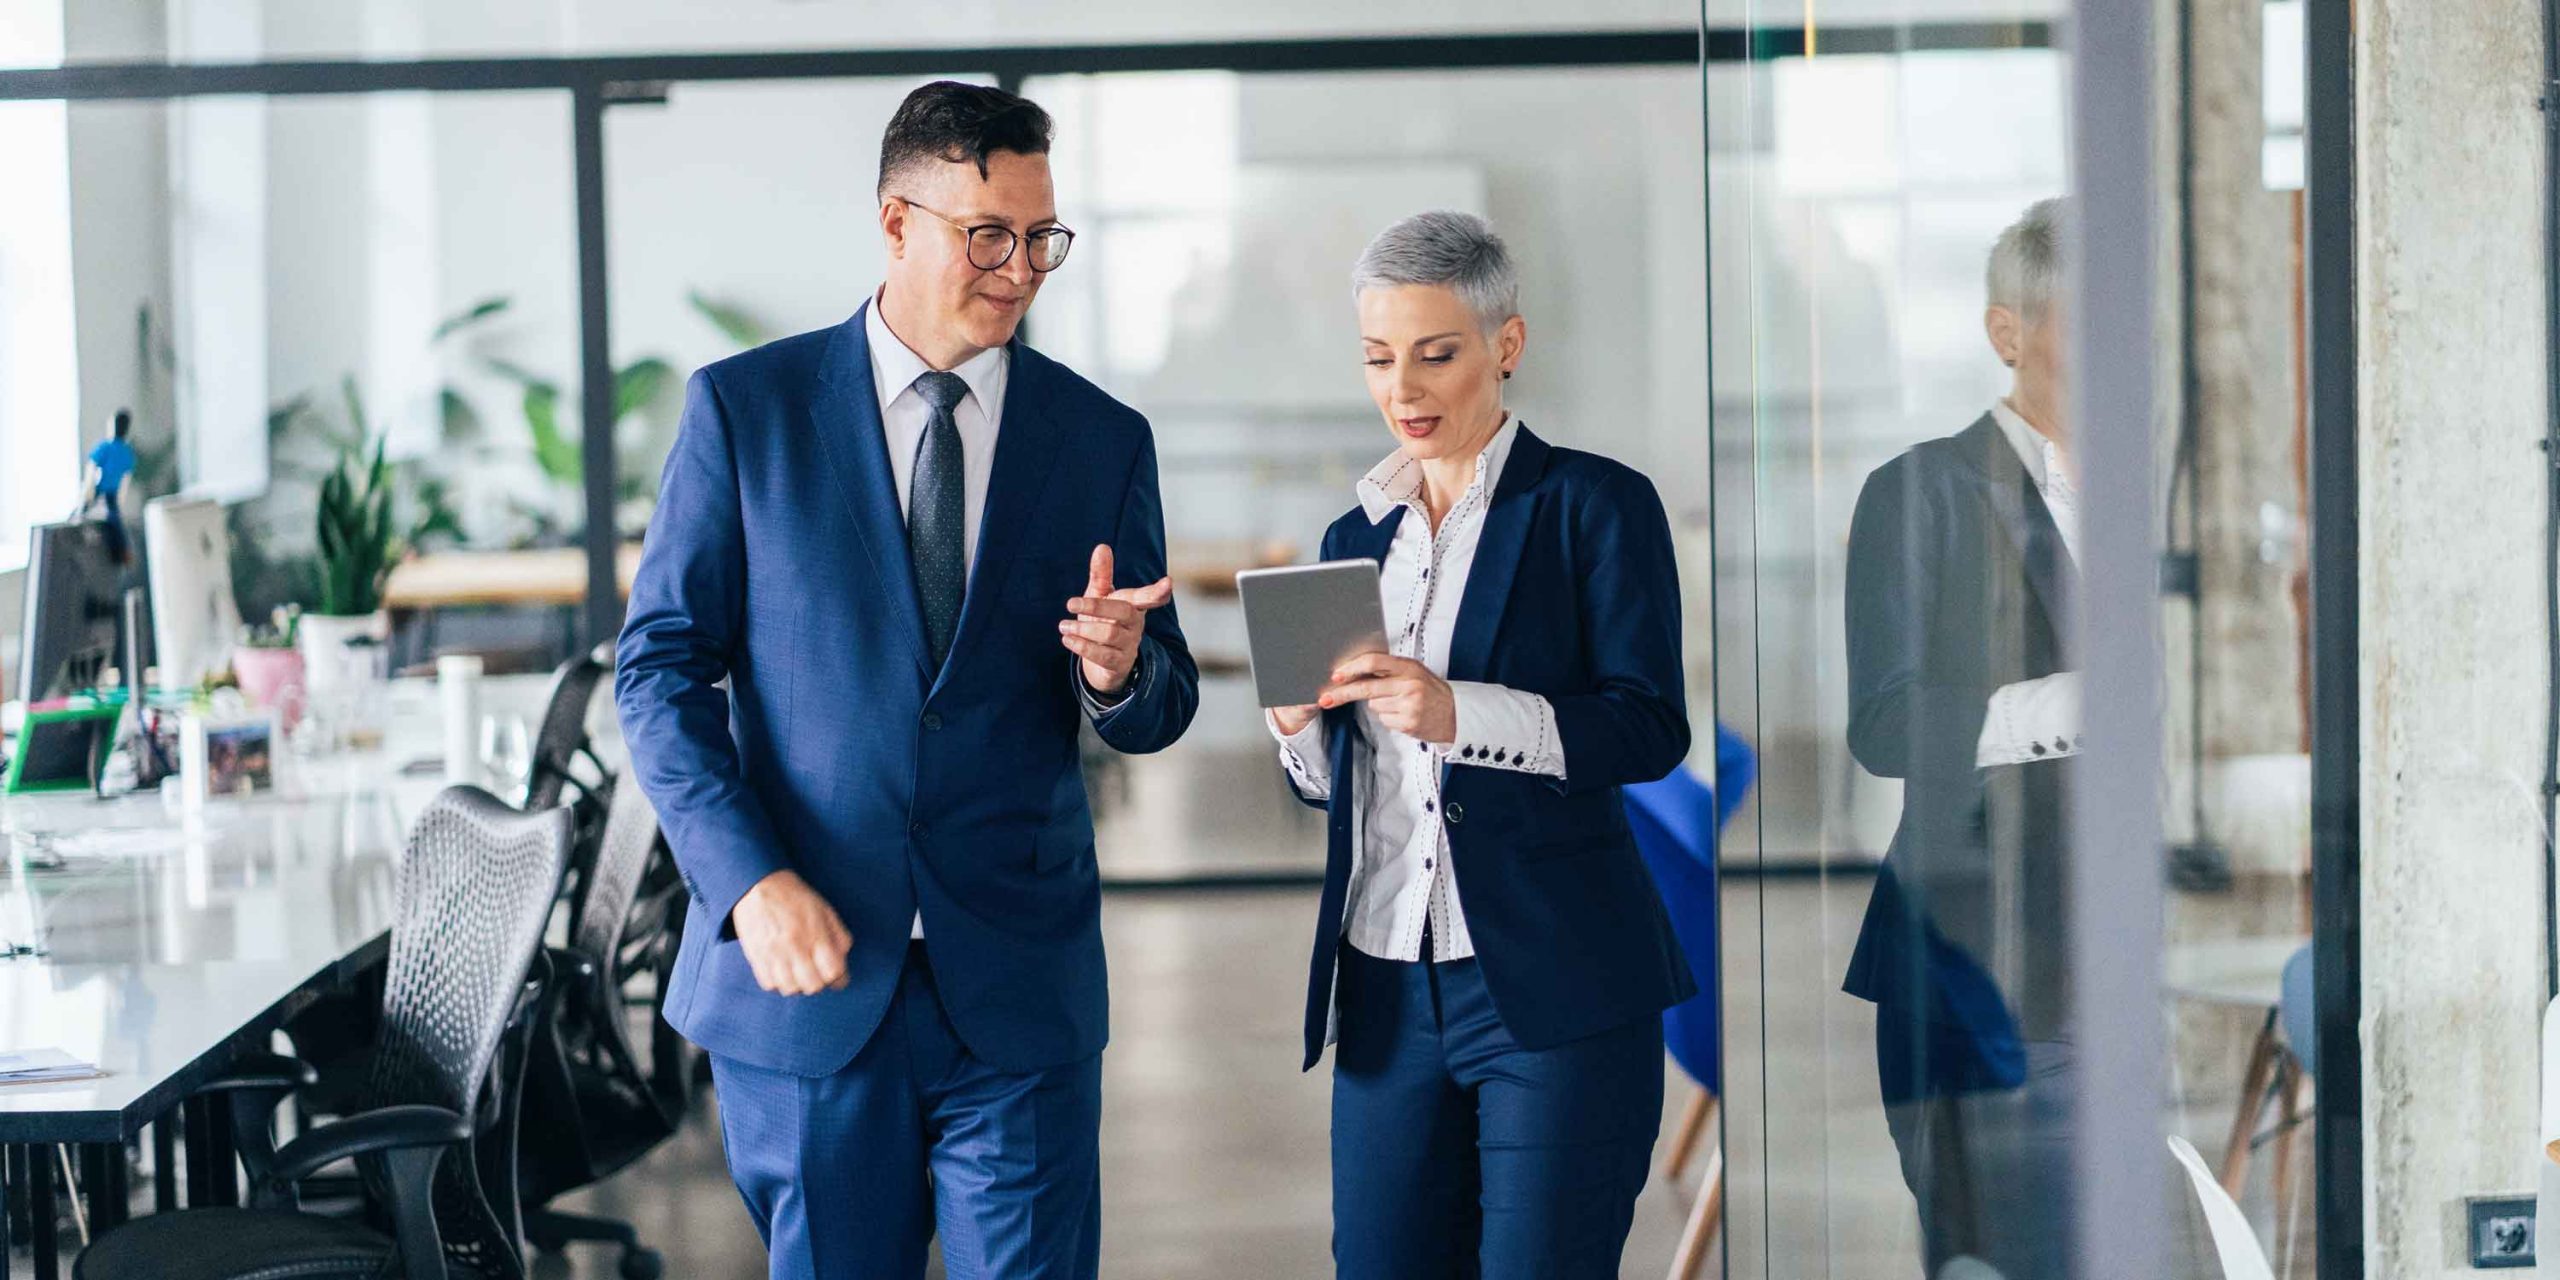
(174, 941)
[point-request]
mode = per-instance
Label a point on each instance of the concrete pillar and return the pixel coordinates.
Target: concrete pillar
(2450, 277)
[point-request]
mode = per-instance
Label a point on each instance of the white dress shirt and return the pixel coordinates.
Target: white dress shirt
(903, 416)
(2036, 719)
(1400, 873)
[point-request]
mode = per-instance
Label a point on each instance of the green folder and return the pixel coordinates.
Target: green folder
(62, 745)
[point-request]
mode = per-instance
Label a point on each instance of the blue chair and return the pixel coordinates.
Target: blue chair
(1675, 821)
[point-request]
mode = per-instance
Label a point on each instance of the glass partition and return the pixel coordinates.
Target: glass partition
(1904, 578)
(275, 286)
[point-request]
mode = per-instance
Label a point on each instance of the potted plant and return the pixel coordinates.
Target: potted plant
(343, 637)
(269, 668)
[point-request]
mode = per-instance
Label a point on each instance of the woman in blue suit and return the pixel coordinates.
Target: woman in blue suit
(1490, 956)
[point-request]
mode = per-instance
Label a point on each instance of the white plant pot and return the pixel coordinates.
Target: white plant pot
(325, 639)
(344, 678)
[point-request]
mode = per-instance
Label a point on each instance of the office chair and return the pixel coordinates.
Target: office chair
(475, 890)
(561, 740)
(1675, 821)
(596, 1104)
(337, 1032)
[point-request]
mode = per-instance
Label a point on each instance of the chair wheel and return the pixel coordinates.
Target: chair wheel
(642, 1264)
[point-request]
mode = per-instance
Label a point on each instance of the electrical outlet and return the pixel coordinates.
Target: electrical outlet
(2502, 1231)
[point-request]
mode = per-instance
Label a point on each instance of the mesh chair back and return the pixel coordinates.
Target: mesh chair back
(595, 1104)
(475, 890)
(563, 732)
(606, 902)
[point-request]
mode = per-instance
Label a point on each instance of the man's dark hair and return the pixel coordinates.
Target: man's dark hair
(952, 122)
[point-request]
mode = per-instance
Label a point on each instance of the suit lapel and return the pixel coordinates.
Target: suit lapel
(2024, 518)
(847, 417)
(1027, 440)
(1506, 528)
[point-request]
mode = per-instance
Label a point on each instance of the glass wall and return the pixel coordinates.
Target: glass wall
(1908, 594)
(273, 286)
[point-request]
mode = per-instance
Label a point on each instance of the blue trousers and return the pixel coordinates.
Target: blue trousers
(1457, 1153)
(849, 1176)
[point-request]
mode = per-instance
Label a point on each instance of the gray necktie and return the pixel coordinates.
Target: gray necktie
(936, 509)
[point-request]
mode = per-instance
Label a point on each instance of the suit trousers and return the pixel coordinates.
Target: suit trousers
(850, 1175)
(1991, 1169)
(1457, 1153)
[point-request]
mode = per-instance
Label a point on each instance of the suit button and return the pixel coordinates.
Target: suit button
(933, 721)
(1457, 814)
(915, 828)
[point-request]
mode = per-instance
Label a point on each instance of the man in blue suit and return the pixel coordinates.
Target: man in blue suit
(897, 543)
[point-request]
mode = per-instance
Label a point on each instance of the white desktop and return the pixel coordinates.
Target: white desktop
(194, 616)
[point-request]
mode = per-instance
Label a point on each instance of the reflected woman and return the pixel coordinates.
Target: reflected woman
(1490, 956)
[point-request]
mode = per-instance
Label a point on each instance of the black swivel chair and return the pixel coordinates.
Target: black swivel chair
(593, 1103)
(337, 1033)
(560, 742)
(475, 890)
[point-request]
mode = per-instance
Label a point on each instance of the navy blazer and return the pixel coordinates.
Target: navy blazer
(1959, 583)
(777, 561)
(1574, 595)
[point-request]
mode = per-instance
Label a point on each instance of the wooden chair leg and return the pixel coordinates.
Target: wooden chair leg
(2244, 1122)
(1706, 1214)
(2289, 1081)
(1684, 1137)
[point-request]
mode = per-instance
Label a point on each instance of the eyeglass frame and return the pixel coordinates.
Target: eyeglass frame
(1013, 239)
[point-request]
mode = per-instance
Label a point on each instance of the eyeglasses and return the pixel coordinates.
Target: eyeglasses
(991, 245)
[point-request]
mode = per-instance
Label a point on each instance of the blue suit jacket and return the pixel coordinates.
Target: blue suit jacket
(777, 561)
(1574, 595)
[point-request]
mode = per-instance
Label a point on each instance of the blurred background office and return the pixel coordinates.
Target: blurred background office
(490, 239)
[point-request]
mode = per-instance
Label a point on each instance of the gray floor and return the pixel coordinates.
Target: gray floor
(1213, 1142)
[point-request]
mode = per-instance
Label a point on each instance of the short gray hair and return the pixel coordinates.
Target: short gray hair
(1456, 251)
(2026, 261)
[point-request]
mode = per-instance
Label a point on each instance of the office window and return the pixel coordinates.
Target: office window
(39, 379)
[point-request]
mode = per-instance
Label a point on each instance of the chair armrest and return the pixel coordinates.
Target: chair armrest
(272, 1071)
(382, 1129)
(253, 1086)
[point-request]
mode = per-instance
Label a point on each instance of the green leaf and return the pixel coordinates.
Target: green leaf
(461, 421)
(361, 430)
(733, 323)
(556, 453)
(639, 383)
(281, 418)
(477, 312)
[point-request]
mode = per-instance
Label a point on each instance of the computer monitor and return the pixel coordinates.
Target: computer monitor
(73, 588)
(194, 616)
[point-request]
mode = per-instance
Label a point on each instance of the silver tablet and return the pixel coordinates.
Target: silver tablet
(1304, 620)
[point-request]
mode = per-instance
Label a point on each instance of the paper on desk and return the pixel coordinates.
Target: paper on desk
(36, 1066)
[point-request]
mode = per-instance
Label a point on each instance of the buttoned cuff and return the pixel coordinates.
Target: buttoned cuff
(2031, 720)
(1302, 754)
(1505, 728)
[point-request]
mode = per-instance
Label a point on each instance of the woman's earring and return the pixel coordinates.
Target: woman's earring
(1506, 375)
